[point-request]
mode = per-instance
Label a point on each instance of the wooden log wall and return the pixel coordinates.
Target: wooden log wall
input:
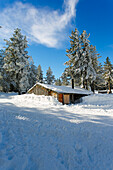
(39, 90)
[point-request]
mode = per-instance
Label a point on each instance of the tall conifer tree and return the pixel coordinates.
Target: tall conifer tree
(49, 76)
(33, 74)
(108, 73)
(17, 61)
(100, 82)
(1, 71)
(95, 64)
(80, 61)
(39, 74)
(65, 77)
(58, 82)
(4, 76)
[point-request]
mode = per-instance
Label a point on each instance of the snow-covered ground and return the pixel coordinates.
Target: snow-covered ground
(38, 133)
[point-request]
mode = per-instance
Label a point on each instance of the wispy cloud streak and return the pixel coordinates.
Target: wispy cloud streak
(42, 26)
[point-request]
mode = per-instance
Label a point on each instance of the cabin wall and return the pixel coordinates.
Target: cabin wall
(39, 90)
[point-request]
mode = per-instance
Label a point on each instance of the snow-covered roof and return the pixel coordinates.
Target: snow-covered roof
(64, 89)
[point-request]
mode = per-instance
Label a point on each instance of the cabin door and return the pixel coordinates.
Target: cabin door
(66, 98)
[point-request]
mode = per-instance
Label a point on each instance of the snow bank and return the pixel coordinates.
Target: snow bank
(105, 100)
(32, 100)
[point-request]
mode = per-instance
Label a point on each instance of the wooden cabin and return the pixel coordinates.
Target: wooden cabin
(64, 94)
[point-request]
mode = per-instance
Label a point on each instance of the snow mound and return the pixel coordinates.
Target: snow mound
(99, 100)
(35, 100)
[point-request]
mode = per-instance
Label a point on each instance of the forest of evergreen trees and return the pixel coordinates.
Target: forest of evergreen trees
(18, 72)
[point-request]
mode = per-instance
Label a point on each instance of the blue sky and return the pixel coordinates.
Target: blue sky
(48, 25)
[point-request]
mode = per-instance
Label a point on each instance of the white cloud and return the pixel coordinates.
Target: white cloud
(43, 26)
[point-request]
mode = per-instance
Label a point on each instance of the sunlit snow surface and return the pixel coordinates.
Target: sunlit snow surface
(39, 133)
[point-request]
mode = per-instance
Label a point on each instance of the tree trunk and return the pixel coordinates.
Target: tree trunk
(85, 81)
(109, 87)
(85, 84)
(17, 84)
(72, 83)
(92, 87)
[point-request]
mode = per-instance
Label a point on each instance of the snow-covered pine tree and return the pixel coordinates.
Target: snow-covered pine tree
(73, 54)
(17, 61)
(4, 76)
(49, 76)
(58, 82)
(100, 82)
(32, 75)
(1, 70)
(80, 61)
(95, 64)
(65, 78)
(108, 73)
(39, 74)
(86, 67)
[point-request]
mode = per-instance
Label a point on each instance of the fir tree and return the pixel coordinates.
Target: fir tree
(4, 76)
(80, 61)
(73, 54)
(95, 64)
(33, 74)
(58, 82)
(86, 67)
(49, 76)
(39, 74)
(1, 72)
(17, 62)
(108, 73)
(65, 78)
(99, 82)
